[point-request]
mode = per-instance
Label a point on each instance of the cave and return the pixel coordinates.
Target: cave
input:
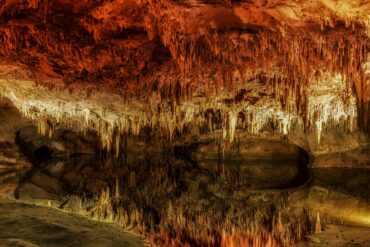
(185, 123)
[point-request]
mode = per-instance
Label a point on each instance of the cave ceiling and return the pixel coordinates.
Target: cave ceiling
(182, 51)
(119, 41)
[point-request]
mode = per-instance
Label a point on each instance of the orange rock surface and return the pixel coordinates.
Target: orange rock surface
(184, 48)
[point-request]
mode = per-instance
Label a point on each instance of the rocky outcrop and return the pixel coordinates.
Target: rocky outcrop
(13, 165)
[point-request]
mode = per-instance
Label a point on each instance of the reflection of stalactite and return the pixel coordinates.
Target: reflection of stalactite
(245, 240)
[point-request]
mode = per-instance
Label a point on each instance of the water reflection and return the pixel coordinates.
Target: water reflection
(177, 201)
(353, 181)
(180, 202)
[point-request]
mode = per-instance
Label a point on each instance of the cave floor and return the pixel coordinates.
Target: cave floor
(340, 236)
(30, 225)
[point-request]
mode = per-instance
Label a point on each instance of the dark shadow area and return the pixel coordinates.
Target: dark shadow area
(42, 154)
(304, 174)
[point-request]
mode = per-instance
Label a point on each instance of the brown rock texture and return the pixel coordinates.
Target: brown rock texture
(187, 47)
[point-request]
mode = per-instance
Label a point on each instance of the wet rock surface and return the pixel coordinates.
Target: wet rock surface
(340, 236)
(32, 226)
(13, 164)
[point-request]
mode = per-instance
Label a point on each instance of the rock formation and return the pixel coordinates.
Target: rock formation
(175, 62)
(216, 81)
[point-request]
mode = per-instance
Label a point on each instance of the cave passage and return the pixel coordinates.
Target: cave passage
(188, 123)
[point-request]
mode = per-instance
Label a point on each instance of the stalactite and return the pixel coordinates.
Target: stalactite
(331, 101)
(295, 100)
(232, 125)
(298, 55)
(110, 125)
